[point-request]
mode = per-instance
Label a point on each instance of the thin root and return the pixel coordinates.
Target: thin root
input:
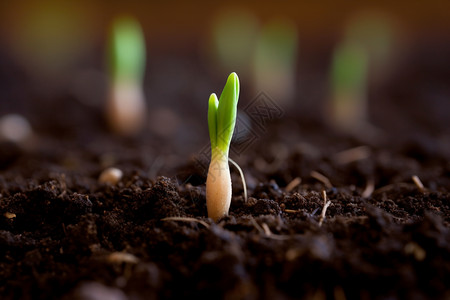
(244, 185)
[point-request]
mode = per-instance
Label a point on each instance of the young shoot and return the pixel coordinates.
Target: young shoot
(274, 61)
(126, 103)
(348, 111)
(221, 122)
(377, 33)
(360, 60)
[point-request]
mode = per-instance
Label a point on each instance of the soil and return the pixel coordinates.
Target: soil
(63, 235)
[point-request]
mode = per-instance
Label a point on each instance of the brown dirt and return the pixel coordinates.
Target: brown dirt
(65, 236)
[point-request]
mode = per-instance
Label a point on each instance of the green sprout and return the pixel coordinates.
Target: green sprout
(360, 60)
(126, 62)
(127, 50)
(221, 122)
(349, 77)
(275, 58)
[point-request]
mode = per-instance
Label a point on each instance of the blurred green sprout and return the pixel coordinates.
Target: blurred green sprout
(360, 60)
(349, 74)
(127, 50)
(126, 63)
(274, 61)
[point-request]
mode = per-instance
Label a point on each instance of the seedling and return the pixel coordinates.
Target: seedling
(360, 60)
(349, 87)
(126, 105)
(377, 34)
(274, 61)
(221, 122)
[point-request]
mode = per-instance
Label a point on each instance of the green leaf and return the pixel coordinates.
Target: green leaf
(127, 50)
(226, 113)
(212, 119)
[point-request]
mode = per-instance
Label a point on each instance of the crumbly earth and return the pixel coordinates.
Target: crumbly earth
(63, 235)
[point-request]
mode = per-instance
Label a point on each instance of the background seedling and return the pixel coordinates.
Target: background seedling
(361, 59)
(349, 86)
(233, 37)
(221, 122)
(126, 103)
(275, 58)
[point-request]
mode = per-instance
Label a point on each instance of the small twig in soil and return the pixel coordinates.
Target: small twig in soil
(325, 207)
(370, 187)
(293, 184)
(182, 219)
(351, 155)
(244, 185)
(322, 178)
(418, 183)
(292, 211)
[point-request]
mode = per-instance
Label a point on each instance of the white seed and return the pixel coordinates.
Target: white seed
(14, 128)
(110, 176)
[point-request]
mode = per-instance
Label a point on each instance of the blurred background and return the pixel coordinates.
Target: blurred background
(53, 53)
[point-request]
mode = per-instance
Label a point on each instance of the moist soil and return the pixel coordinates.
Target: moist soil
(64, 235)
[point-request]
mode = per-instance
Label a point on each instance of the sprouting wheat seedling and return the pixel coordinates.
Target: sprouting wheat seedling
(221, 122)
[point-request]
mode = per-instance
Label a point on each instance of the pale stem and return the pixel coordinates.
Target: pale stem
(126, 109)
(218, 186)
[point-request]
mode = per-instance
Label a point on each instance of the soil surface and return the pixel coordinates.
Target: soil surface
(63, 235)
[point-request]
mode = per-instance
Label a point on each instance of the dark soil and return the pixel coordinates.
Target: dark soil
(65, 236)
